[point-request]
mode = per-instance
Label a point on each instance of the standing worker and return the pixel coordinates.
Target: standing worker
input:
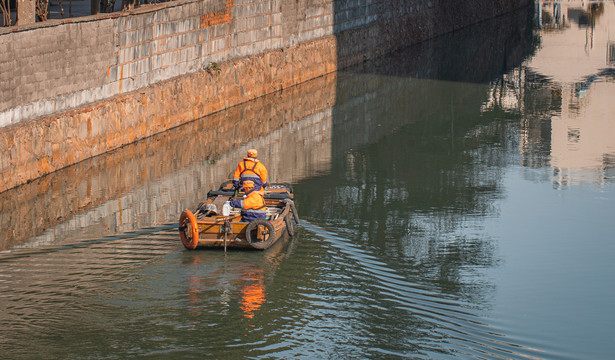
(250, 169)
(253, 205)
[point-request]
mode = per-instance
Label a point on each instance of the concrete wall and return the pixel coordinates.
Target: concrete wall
(73, 89)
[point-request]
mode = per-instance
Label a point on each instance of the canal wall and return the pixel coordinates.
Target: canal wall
(74, 89)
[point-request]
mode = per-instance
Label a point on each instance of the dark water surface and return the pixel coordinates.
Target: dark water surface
(457, 201)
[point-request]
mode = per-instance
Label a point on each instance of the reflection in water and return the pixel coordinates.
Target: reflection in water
(416, 169)
(253, 293)
(422, 237)
(565, 91)
(214, 278)
(427, 323)
(249, 278)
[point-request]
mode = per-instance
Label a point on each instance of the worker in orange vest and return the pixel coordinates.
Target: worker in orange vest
(250, 168)
(253, 205)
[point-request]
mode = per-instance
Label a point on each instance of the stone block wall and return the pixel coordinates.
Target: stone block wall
(73, 89)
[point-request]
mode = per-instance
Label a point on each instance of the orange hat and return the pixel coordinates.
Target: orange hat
(248, 184)
(252, 153)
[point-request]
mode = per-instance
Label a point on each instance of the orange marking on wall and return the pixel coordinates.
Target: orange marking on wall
(121, 77)
(218, 17)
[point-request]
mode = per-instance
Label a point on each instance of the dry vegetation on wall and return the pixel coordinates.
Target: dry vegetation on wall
(42, 9)
(5, 8)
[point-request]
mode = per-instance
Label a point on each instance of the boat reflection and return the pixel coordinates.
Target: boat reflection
(252, 293)
(231, 285)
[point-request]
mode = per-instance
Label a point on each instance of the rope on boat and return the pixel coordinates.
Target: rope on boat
(293, 209)
(227, 229)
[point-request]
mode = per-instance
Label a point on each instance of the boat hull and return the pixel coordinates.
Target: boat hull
(208, 229)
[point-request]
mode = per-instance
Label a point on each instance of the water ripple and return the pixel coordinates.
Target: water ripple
(333, 296)
(454, 326)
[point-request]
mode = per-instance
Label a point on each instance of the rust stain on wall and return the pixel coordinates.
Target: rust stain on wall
(218, 17)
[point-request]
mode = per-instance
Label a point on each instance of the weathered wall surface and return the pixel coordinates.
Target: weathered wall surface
(70, 90)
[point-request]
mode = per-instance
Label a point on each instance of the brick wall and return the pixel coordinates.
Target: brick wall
(73, 89)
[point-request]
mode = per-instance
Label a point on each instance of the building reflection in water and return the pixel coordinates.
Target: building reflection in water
(565, 92)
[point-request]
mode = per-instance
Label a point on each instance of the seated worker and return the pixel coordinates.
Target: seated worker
(250, 169)
(253, 205)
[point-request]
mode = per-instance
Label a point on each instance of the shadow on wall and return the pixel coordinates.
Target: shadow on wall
(366, 29)
(478, 54)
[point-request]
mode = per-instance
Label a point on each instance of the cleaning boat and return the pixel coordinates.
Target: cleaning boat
(214, 224)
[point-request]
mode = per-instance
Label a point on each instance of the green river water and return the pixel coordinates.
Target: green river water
(457, 200)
